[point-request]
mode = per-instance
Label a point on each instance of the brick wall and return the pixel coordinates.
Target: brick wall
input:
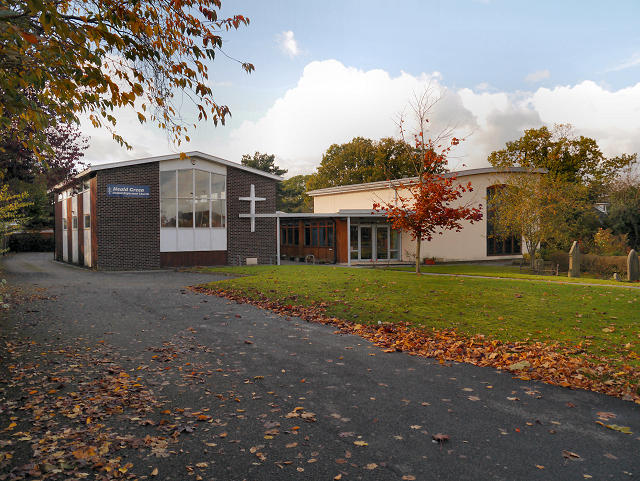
(128, 230)
(240, 240)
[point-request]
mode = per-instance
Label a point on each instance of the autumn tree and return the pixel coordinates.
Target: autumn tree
(91, 56)
(364, 160)
(576, 169)
(429, 204)
(11, 210)
(566, 156)
(541, 209)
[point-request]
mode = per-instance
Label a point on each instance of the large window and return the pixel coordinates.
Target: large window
(499, 245)
(318, 234)
(289, 234)
(192, 198)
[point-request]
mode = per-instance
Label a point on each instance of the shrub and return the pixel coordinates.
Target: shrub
(561, 259)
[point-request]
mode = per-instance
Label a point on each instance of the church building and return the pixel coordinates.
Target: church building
(166, 212)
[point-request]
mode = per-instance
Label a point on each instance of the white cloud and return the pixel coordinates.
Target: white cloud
(634, 61)
(537, 76)
(288, 44)
(333, 104)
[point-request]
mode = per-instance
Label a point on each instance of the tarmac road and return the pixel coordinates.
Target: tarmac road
(250, 395)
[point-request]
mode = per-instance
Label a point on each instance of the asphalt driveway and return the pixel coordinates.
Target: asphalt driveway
(124, 375)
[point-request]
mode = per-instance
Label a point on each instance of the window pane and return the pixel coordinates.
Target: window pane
(283, 236)
(307, 236)
(64, 224)
(218, 213)
(218, 186)
(394, 241)
(185, 213)
(185, 183)
(330, 236)
(354, 239)
(87, 221)
(290, 236)
(168, 184)
(202, 212)
(314, 236)
(74, 221)
(296, 237)
(201, 184)
(322, 241)
(167, 212)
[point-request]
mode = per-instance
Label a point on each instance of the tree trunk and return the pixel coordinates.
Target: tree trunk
(418, 255)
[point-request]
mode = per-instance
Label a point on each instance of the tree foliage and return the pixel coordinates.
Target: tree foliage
(263, 162)
(542, 209)
(624, 211)
(429, 203)
(23, 172)
(91, 56)
(364, 160)
(11, 210)
(566, 156)
(293, 197)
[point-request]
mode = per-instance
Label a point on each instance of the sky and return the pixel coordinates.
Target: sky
(326, 72)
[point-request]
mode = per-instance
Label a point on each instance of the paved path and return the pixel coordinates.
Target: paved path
(230, 376)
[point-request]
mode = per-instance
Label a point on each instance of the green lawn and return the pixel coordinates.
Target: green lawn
(604, 319)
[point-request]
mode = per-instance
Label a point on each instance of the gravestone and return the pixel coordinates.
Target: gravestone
(574, 260)
(616, 277)
(538, 265)
(633, 266)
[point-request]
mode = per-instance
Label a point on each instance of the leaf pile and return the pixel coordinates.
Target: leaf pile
(559, 364)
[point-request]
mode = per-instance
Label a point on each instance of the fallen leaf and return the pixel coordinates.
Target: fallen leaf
(474, 398)
(154, 472)
(622, 429)
(360, 443)
(539, 466)
(572, 456)
(408, 477)
(441, 437)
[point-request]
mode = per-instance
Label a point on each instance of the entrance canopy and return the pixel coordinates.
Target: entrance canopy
(349, 235)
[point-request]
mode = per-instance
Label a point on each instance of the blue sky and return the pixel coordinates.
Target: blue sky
(330, 71)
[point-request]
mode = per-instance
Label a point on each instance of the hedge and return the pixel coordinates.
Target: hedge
(31, 242)
(599, 266)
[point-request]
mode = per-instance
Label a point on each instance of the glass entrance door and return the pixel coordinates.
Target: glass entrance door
(366, 242)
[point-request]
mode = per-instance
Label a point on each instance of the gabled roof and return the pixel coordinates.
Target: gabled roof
(190, 155)
(395, 183)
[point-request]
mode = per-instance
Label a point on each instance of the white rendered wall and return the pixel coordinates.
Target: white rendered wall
(86, 209)
(65, 238)
(74, 233)
(466, 245)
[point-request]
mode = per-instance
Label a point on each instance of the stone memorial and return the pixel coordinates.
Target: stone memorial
(616, 277)
(633, 266)
(574, 260)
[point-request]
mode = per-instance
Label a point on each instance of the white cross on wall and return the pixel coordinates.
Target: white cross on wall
(252, 198)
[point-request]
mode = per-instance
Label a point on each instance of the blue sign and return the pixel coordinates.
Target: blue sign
(130, 191)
